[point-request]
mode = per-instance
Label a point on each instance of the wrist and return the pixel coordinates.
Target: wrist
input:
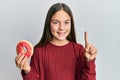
(27, 71)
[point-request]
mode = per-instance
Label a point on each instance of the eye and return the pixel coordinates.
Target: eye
(67, 22)
(54, 22)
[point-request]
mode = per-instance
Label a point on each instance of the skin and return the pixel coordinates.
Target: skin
(90, 50)
(60, 27)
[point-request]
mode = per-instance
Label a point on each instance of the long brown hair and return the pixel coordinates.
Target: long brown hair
(47, 36)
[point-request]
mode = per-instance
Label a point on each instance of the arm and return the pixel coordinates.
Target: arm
(87, 61)
(34, 73)
(85, 69)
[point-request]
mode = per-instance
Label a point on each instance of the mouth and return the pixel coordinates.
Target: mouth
(61, 33)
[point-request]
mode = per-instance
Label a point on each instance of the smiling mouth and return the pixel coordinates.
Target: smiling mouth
(61, 33)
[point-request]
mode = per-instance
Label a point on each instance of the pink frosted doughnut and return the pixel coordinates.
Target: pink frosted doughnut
(24, 47)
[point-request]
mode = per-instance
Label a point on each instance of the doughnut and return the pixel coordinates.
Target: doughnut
(24, 47)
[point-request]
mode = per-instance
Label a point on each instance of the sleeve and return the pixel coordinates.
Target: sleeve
(34, 73)
(85, 70)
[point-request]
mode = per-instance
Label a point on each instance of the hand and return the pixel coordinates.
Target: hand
(90, 50)
(22, 63)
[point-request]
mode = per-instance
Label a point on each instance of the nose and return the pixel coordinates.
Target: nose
(61, 27)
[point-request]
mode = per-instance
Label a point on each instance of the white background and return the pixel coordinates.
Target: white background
(24, 19)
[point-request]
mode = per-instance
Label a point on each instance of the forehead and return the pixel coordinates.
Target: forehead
(60, 15)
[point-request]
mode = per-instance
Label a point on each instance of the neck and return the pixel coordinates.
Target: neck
(59, 43)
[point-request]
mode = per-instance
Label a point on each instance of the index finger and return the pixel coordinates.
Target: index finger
(86, 38)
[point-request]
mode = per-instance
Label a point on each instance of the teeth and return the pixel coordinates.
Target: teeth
(61, 33)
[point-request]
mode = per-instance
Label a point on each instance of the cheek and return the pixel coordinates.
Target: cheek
(53, 28)
(68, 28)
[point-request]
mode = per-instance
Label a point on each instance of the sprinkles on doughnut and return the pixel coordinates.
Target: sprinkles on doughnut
(24, 47)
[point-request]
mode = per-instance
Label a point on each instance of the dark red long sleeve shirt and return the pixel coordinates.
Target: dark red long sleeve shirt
(66, 62)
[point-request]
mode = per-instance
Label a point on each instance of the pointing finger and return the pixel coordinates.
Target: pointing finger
(86, 39)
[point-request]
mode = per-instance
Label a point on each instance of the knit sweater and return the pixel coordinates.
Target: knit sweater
(65, 62)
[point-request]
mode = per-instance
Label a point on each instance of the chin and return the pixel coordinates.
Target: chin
(61, 39)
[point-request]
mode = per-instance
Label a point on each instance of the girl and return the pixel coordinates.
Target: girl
(58, 56)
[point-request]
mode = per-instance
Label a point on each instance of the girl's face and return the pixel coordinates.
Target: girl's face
(60, 26)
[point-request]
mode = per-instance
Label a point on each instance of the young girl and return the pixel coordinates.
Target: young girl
(58, 56)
